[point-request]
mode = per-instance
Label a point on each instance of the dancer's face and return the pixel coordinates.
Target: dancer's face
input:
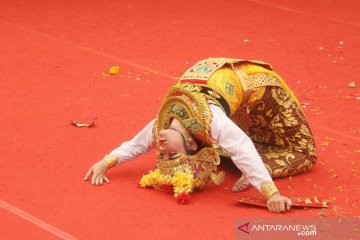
(174, 140)
(171, 141)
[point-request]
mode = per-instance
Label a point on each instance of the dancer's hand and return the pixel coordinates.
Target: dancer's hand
(98, 171)
(278, 203)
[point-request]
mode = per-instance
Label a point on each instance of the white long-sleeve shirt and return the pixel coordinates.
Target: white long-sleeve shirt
(227, 134)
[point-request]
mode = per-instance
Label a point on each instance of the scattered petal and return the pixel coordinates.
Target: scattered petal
(352, 85)
(114, 70)
(324, 144)
(81, 124)
(321, 214)
(334, 139)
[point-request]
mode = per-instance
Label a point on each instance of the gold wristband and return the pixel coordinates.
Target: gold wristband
(110, 161)
(268, 189)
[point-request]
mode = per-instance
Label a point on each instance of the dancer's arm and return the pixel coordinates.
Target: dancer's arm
(140, 144)
(246, 158)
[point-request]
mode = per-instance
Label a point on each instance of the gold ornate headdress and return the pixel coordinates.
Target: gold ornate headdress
(185, 103)
(185, 173)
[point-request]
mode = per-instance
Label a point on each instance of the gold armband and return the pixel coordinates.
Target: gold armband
(268, 189)
(110, 161)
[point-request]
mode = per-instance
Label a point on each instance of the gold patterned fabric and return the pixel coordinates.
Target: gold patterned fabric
(281, 133)
(261, 104)
(259, 80)
(274, 121)
(204, 69)
(224, 76)
(227, 83)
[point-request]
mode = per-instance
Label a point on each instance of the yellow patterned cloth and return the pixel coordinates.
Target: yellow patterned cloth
(262, 105)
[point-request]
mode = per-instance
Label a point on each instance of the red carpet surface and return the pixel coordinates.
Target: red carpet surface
(53, 56)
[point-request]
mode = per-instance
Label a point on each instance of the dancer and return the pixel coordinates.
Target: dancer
(222, 107)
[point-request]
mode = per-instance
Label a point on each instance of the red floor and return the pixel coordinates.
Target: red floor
(53, 54)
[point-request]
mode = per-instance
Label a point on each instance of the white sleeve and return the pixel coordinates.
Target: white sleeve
(140, 144)
(229, 136)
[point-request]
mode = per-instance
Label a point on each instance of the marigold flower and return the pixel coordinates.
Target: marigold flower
(154, 179)
(182, 182)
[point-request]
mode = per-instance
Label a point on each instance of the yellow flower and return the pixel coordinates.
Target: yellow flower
(154, 179)
(182, 182)
(114, 70)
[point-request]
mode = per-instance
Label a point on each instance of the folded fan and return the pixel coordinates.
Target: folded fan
(296, 202)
